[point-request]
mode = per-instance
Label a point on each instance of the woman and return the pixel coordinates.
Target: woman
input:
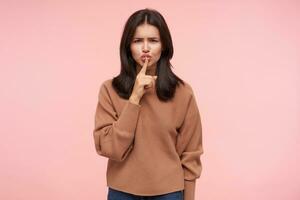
(147, 121)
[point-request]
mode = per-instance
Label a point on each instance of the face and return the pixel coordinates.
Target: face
(146, 41)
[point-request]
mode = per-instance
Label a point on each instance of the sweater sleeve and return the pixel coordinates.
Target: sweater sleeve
(189, 147)
(113, 134)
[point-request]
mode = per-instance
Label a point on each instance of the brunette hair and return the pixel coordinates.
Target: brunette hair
(166, 81)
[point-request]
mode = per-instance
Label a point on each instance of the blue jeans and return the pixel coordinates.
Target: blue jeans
(119, 195)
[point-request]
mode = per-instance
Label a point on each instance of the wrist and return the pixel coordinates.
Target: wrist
(134, 99)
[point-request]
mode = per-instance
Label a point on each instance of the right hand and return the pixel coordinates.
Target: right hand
(142, 82)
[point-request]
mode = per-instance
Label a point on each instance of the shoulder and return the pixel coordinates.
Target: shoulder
(186, 96)
(105, 87)
(185, 89)
(106, 84)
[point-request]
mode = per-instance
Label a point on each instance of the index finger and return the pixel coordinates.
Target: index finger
(143, 70)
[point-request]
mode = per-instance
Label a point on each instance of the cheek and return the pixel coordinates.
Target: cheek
(134, 51)
(157, 51)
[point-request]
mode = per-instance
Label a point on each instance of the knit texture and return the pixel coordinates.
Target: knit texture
(153, 147)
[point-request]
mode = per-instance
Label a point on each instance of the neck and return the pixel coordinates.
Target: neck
(151, 70)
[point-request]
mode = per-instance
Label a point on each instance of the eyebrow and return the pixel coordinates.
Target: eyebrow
(148, 37)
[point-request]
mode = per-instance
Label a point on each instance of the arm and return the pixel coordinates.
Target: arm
(114, 135)
(189, 147)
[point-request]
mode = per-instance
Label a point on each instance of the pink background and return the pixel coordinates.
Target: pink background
(242, 59)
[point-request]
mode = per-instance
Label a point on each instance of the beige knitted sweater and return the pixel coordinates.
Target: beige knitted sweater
(153, 148)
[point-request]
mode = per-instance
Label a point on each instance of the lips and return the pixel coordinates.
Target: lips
(145, 56)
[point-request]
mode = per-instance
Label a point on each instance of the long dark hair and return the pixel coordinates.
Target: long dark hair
(166, 80)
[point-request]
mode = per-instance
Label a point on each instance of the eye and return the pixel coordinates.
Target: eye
(135, 41)
(154, 40)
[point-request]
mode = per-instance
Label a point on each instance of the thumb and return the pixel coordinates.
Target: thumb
(155, 77)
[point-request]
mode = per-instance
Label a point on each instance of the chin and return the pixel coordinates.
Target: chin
(149, 63)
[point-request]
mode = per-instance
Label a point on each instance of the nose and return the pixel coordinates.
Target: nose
(145, 47)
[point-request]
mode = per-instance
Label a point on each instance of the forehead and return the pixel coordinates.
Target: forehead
(146, 30)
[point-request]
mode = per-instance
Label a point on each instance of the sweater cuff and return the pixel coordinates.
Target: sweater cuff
(189, 190)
